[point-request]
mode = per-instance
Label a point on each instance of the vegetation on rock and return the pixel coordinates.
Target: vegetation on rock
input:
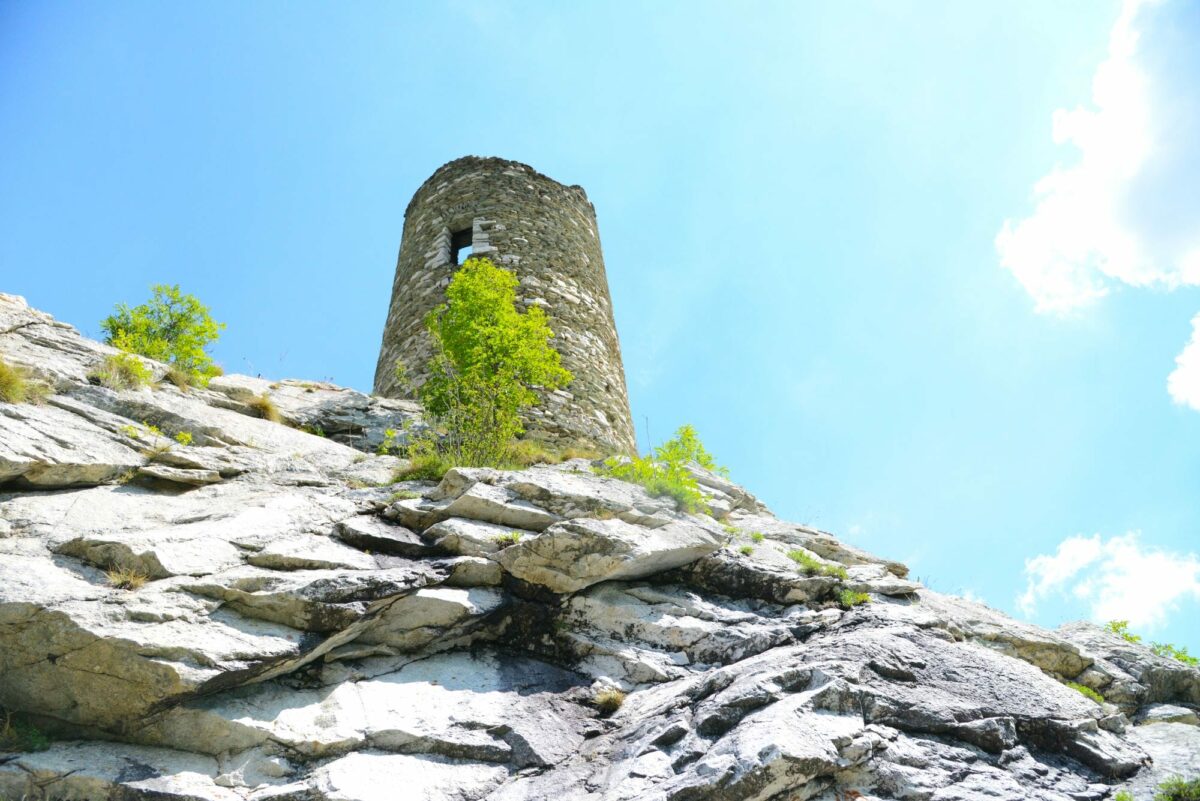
(16, 385)
(18, 735)
(810, 566)
(608, 700)
(1086, 691)
(126, 578)
(171, 327)
(666, 472)
(1121, 628)
(848, 599)
(121, 371)
(1177, 788)
(264, 407)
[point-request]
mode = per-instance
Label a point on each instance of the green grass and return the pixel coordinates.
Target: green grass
(757, 536)
(430, 466)
(121, 371)
(403, 495)
(1086, 691)
(810, 566)
(848, 599)
(1177, 788)
(1123, 795)
(746, 550)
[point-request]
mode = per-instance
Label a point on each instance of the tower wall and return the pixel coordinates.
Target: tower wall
(545, 233)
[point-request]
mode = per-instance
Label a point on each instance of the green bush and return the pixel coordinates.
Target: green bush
(746, 550)
(1123, 795)
(665, 473)
(488, 357)
(810, 566)
(1086, 691)
(121, 371)
(16, 385)
(511, 538)
(757, 536)
(171, 327)
(1178, 789)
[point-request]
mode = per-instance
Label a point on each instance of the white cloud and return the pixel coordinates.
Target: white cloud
(1184, 381)
(1080, 241)
(1118, 578)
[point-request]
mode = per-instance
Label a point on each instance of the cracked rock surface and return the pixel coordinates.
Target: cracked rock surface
(310, 630)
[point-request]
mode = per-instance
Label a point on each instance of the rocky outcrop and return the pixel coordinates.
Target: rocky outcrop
(265, 614)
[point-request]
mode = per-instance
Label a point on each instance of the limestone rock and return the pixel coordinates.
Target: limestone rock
(304, 630)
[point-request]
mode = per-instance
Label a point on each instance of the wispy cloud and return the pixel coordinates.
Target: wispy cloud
(1118, 579)
(1081, 239)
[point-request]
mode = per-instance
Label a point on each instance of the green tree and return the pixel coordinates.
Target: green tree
(171, 327)
(489, 357)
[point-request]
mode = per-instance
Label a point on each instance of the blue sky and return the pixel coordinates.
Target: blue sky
(922, 274)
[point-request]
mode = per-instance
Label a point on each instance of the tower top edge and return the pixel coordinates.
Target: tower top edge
(486, 164)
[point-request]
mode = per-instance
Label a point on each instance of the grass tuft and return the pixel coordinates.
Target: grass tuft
(511, 538)
(608, 700)
(810, 566)
(746, 550)
(403, 495)
(430, 466)
(121, 371)
(265, 408)
(126, 578)
(16, 386)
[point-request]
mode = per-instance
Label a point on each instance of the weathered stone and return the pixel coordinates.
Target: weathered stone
(575, 554)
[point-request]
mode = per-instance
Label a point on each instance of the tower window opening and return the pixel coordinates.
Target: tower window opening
(460, 245)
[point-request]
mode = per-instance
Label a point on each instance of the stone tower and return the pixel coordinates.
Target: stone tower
(546, 233)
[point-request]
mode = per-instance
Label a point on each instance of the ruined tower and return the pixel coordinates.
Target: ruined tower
(544, 232)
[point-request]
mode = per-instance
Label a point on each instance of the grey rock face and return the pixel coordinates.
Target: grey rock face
(305, 635)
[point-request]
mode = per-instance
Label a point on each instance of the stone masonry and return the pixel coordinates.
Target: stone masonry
(546, 233)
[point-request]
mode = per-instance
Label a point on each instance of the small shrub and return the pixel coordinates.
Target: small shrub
(608, 700)
(666, 473)
(810, 566)
(126, 578)
(403, 495)
(523, 453)
(317, 431)
(734, 530)
(848, 599)
(1123, 795)
(184, 438)
(1086, 691)
(1177, 788)
(575, 452)
(757, 536)
(265, 408)
(511, 538)
(18, 735)
(171, 327)
(159, 442)
(389, 442)
(121, 371)
(130, 431)
(746, 550)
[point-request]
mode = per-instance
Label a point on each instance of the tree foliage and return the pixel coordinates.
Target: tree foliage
(171, 327)
(488, 359)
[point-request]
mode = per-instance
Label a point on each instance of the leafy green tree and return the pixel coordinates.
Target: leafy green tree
(488, 359)
(171, 327)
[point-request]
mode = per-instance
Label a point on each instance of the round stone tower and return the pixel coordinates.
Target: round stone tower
(544, 232)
